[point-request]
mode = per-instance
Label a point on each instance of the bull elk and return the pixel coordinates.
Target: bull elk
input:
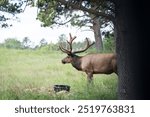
(90, 63)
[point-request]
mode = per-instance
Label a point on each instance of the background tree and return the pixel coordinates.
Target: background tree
(109, 43)
(26, 43)
(43, 42)
(62, 40)
(12, 43)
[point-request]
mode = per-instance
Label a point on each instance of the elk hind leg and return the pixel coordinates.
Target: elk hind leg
(90, 77)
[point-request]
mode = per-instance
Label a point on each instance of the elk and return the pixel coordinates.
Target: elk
(90, 63)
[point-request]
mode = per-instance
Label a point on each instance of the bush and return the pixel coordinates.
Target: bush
(109, 44)
(12, 44)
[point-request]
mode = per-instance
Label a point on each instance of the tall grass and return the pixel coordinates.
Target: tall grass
(31, 74)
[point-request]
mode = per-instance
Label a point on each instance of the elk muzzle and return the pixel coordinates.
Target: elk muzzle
(63, 61)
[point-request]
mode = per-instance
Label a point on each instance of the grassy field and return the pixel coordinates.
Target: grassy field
(31, 75)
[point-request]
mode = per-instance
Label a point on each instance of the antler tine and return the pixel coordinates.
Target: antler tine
(64, 50)
(71, 38)
(70, 45)
(70, 41)
(87, 46)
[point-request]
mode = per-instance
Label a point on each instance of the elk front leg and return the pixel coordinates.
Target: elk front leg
(89, 77)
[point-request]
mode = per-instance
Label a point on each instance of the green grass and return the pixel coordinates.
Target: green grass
(31, 74)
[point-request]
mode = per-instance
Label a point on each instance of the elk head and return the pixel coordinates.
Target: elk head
(72, 54)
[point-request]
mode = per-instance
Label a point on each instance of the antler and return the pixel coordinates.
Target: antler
(71, 40)
(87, 46)
(70, 45)
(64, 50)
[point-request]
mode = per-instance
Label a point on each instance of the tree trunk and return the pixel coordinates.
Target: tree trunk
(97, 34)
(132, 67)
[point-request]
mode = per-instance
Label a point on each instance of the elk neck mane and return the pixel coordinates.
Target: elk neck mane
(76, 62)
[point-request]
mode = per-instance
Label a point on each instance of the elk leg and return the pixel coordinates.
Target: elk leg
(89, 77)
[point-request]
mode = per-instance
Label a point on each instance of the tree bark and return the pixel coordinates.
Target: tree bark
(130, 52)
(97, 34)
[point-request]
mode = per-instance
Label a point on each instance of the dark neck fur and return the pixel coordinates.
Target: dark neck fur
(76, 63)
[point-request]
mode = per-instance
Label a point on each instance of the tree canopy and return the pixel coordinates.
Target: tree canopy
(52, 11)
(93, 14)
